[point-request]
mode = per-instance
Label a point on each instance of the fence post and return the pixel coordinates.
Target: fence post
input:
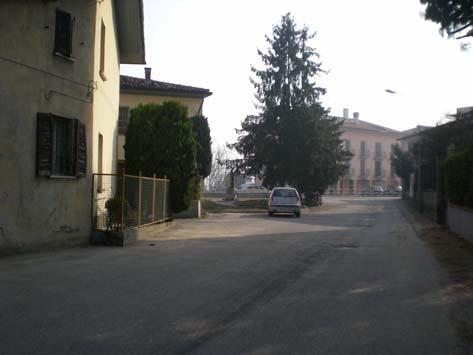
(139, 199)
(164, 198)
(154, 196)
(122, 224)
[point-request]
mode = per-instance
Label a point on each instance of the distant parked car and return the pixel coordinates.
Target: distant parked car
(284, 200)
(376, 190)
(251, 190)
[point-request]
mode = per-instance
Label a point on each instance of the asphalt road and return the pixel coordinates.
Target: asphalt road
(355, 277)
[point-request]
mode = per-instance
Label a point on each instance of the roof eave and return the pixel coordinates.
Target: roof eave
(169, 93)
(130, 31)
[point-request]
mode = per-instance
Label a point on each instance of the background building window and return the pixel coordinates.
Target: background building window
(63, 34)
(377, 169)
(378, 149)
(60, 146)
(122, 120)
(347, 145)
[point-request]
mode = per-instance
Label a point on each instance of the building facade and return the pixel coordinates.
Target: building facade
(59, 95)
(135, 91)
(370, 165)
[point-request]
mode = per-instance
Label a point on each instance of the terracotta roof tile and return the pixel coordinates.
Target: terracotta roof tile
(140, 84)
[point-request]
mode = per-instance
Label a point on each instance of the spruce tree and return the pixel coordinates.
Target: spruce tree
(455, 17)
(292, 140)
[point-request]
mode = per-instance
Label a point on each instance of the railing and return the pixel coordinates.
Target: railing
(124, 201)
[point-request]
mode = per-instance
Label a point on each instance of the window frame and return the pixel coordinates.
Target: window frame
(64, 50)
(122, 129)
(103, 31)
(61, 147)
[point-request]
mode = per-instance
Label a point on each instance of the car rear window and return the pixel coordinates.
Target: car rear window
(284, 193)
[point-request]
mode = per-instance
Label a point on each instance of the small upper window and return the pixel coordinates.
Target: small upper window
(102, 52)
(63, 34)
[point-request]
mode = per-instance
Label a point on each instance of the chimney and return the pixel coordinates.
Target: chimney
(148, 73)
(345, 113)
(356, 117)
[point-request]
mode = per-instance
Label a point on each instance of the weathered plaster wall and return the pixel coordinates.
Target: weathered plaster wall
(107, 94)
(35, 211)
(460, 220)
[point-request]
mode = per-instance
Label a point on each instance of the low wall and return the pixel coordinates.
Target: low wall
(130, 235)
(251, 196)
(460, 220)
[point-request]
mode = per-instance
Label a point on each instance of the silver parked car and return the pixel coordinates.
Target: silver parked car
(284, 200)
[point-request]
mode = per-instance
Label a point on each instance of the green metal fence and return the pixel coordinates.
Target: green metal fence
(122, 201)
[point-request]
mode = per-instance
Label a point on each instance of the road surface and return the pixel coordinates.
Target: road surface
(355, 277)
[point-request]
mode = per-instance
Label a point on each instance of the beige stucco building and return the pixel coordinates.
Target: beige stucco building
(370, 166)
(135, 91)
(59, 95)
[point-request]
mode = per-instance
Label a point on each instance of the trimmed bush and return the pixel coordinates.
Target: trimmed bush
(200, 126)
(160, 140)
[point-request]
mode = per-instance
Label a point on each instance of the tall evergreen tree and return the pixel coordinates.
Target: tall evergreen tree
(293, 140)
(455, 17)
(201, 129)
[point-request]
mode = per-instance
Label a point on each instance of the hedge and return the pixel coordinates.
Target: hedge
(459, 177)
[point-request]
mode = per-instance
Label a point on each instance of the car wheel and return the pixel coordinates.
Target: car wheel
(297, 214)
(270, 214)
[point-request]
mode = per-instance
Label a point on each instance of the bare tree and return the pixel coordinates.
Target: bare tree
(218, 171)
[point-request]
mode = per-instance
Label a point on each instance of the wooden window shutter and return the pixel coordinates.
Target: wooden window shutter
(81, 161)
(43, 144)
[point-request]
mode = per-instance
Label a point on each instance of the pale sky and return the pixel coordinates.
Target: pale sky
(367, 46)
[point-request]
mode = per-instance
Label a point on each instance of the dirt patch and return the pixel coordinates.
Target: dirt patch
(455, 255)
(249, 206)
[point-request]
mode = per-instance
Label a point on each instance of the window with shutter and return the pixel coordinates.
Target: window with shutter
(63, 34)
(43, 144)
(60, 146)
